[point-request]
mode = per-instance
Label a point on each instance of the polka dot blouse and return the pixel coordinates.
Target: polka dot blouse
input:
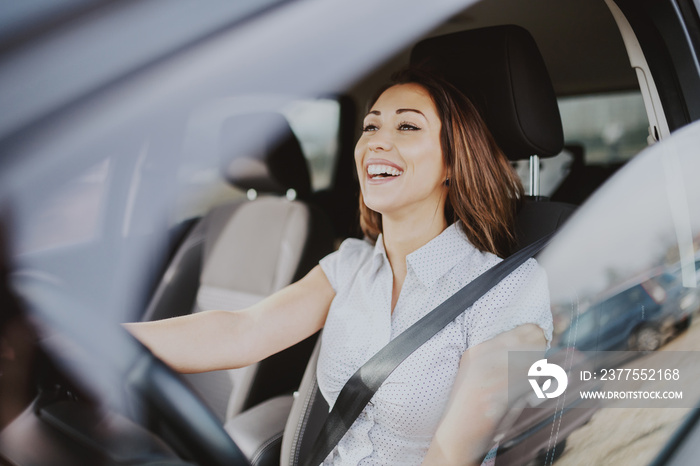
(398, 424)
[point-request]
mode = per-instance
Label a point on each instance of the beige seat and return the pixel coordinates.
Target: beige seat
(242, 252)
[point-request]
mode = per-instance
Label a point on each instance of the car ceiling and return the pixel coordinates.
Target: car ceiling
(579, 41)
(578, 38)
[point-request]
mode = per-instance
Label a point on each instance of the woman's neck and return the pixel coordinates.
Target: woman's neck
(402, 238)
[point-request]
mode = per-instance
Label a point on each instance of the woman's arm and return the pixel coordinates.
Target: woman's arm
(214, 340)
(479, 398)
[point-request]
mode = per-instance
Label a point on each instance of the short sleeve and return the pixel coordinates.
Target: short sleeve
(521, 298)
(340, 266)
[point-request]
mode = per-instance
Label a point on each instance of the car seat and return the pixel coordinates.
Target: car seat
(503, 73)
(583, 179)
(501, 70)
(243, 251)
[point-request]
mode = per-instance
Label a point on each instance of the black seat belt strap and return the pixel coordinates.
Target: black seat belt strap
(360, 388)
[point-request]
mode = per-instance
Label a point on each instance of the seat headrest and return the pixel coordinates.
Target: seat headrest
(502, 72)
(262, 153)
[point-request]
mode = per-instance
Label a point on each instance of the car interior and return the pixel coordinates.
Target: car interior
(265, 186)
(280, 238)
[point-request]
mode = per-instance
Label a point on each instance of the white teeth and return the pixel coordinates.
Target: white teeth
(377, 169)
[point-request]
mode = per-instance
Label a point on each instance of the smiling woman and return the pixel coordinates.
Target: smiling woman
(444, 145)
(110, 166)
(440, 198)
(401, 141)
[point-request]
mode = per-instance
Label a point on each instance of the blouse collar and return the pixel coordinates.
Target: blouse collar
(435, 258)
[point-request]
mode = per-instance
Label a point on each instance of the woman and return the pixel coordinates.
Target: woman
(438, 201)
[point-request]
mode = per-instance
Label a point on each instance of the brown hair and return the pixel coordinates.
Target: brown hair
(484, 192)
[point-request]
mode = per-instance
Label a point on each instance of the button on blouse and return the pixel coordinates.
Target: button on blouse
(398, 424)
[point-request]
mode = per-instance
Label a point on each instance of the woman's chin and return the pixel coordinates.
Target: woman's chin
(381, 206)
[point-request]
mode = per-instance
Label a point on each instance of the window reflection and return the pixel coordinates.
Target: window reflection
(315, 123)
(209, 140)
(71, 214)
(622, 276)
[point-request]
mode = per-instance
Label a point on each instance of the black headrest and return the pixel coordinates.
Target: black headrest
(502, 72)
(262, 153)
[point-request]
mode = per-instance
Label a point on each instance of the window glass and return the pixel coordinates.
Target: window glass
(315, 123)
(629, 255)
(72, 214)
(601, 132)
(582, 328)
(212, 136)
(612, 128)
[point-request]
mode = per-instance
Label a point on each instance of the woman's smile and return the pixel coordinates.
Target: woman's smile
(381, 171)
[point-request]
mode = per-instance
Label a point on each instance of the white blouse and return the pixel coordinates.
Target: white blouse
(398, 424)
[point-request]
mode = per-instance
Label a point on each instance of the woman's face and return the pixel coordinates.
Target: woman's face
(399, 157)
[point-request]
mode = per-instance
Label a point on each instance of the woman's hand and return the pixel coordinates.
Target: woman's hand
(479, 398)
(215, 340)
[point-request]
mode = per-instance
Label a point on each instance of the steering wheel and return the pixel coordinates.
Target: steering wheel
(155, 386)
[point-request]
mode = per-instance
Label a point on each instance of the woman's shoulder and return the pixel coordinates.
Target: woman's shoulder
(486, 260)
(529, 277)
(355, 246)
(520, 298)
(346, 261)
(352, 252)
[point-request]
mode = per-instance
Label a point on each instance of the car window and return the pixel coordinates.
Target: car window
(578, 329)
(71, 215)
(209, 139)
(315, 124)
(624, 304)
(612, 128)
(601, 132)
(44, 78)
(181, 93)
(644, 222)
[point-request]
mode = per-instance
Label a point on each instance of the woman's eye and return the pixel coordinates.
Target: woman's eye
(369, 127)
(408, 127)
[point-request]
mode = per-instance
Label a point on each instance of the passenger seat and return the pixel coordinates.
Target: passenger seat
(241, 252)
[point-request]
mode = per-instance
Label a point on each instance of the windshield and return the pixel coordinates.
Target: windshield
(118, 170)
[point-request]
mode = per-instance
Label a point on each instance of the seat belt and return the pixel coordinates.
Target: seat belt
(360, 388)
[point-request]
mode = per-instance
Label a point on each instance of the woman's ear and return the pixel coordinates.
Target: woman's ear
(448, 177)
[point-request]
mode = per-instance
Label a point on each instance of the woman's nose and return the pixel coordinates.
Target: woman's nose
(380, 142)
